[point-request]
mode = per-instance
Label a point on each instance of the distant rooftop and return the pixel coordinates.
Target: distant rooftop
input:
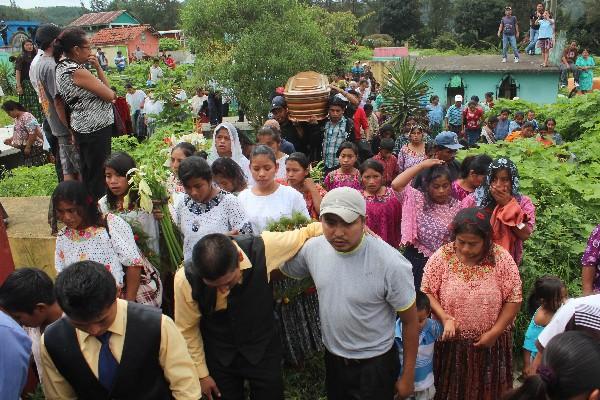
(99, 18)
(119, 35)
(482, 62)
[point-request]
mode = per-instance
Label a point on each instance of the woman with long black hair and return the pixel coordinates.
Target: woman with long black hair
(88, 101)
(27, 95)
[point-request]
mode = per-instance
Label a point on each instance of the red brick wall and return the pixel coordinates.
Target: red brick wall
(149, 46)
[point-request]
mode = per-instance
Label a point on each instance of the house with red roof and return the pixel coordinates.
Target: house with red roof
(93, 22)
(127, 39)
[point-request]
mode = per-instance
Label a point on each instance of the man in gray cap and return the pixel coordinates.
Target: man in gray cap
(445, 147)
(362, 284)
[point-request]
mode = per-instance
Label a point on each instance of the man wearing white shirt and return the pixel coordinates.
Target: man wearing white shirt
(135, 99)
(151, 109)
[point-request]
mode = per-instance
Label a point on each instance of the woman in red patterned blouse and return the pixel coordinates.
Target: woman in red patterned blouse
(475, 290)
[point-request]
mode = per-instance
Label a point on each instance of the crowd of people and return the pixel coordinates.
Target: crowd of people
(413, 257)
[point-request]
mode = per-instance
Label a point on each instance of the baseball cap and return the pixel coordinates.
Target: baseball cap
(278, 102)
(458, 97)
(447, 139)
(128, 86)
(345, 202)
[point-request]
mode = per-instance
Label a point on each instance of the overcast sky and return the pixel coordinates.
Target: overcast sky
(44, 3)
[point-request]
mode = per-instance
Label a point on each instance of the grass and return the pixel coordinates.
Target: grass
(5, 119)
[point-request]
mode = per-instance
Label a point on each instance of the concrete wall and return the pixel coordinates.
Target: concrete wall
(539, 88)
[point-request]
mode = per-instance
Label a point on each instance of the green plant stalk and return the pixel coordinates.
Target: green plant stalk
(173, 245)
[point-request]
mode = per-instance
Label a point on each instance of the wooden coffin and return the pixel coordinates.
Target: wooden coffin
(307, 94)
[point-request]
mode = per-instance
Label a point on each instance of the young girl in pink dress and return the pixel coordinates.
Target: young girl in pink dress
(473, 171)
(346, 174)
(384, 210)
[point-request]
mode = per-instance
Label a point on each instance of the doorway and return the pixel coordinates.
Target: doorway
(455, 86)
(508, 88)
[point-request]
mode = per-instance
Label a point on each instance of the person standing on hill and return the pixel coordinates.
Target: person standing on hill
(509, 32)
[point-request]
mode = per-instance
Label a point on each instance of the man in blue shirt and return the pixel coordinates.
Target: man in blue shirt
(435, 113)
(14, 358)
(502, 128)
(454, 115)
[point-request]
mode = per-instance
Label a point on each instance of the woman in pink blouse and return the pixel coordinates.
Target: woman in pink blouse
(426, 214)
(413, 152)
(474, 288)
(513, 214)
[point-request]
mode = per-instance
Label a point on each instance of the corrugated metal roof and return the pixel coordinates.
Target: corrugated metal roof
(100, 18)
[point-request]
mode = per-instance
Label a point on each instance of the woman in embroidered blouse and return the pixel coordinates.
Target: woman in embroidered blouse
(297, 169)
(27, 134)
(473, 171)
(384, 210)
(205, 208)
(180, 152)
(475, 291)
(413, 152)
(513, 214)
(590, 262)
(346, 174)
(426, 214)
(109, 240)
(115, 173)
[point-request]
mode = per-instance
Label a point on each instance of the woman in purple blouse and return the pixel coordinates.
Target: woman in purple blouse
(590, 273)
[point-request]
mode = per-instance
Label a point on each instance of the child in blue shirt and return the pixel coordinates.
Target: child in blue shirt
(547, 295)
(429, 331)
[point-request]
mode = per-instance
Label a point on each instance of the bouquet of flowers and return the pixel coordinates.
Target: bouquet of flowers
(150, 186)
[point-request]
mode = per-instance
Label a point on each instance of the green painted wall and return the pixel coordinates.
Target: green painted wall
(540, 88)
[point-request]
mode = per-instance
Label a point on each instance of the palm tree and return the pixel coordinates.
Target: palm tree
(406, 85)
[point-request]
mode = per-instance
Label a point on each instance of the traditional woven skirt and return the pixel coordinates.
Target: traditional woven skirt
(36, 157)
(298, 320)
(463, 372)
(29, 99)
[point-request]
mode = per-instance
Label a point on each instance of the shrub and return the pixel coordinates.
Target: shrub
(168, 44)
(378, 40)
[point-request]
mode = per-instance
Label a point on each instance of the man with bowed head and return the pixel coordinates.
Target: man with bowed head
(362, 283)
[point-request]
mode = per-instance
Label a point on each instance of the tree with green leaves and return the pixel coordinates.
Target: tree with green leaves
(254, 46)
(161, 14)
(400, 19)
(476, 23)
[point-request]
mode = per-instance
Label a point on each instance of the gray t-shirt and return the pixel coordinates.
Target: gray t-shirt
(44, 75)
(509, 25)
(359, 293)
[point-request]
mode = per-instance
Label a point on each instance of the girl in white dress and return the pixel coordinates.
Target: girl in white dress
(204, 208)
(109, 240)
(272, 139)
(267, 201)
